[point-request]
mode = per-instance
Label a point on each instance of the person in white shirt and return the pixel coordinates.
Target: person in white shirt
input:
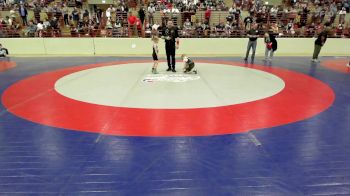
(39, 29)
(166, 10)
(187, 27)
(228, 28)
(151, 10)
(109, 11)
(174, 13)
(274, 11)
(39, 26)
(342, 14)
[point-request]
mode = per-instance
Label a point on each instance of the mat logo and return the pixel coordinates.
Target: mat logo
(169, 78)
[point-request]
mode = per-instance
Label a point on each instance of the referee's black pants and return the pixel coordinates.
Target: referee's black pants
(170, 54)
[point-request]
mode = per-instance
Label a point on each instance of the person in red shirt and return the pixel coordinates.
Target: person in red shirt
(207, 14)
(132, 24)
(139, 26)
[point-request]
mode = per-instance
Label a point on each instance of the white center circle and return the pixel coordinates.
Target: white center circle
(124, 86)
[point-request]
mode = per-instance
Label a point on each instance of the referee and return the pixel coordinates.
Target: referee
(171, 36)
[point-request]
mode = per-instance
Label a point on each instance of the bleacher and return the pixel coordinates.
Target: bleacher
(101, 30)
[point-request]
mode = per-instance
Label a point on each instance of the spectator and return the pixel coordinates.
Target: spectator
(75, 16)
(271, 46)
(332, 15)
(23, 13)
(253, 36)
(65, 15)
(109, 24)
(174, 13)
(151, 10)
(79, 3)
(13, 14)
(247, 22)
(228, 28)
(322, 14)
(132, 24)
(30, 30)
(46, 24)
(220, 28)
(289, 26)
(40, 29)
(37, 11)
(319, 42)
(342, 14)
(54, 23)
(86, 15)
(109, 11)
(8, 20)
(148, 30)
(206, 28)
(98, 12)
(142, 14)
(207, 14)
(274, 11)
(187, 27)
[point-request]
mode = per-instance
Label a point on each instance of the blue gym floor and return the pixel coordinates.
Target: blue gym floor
(308, 157)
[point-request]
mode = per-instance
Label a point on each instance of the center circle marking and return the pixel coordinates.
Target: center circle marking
(123, 86)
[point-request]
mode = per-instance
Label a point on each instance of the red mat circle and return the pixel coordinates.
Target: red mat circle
(35, 99)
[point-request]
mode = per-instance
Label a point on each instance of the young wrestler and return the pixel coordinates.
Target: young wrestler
(155, 40)
(188, 64)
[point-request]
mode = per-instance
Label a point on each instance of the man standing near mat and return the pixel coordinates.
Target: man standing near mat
(320, 41)
(171, 37)
(252, 34)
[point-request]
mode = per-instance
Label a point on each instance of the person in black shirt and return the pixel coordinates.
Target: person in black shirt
(142, 15)
(271, 45)
(319, 42)
(253, 36)
(171, 36)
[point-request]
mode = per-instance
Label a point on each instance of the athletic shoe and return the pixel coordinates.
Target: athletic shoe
(173, 70)
(169, 69)
(195, 71)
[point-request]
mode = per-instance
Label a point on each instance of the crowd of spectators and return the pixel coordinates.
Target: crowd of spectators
(296, 18)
